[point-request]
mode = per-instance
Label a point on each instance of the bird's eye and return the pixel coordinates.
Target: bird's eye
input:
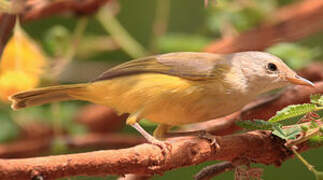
(272, 67)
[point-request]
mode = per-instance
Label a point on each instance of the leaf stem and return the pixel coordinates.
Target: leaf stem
(307, 164)
(160, 23)
(308, 135)
(77, 36)
(119, 34)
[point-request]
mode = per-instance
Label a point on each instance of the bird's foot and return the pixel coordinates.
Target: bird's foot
(163, 145)
(200, 133)
(209, 137)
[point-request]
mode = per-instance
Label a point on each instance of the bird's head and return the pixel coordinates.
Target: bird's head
(264, 71)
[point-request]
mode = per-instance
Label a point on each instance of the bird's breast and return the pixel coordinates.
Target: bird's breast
(167, 99)
(179, 111)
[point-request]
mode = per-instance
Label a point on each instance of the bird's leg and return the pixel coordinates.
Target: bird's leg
(151, 139)
(133, 120)
(145, 134)
(161, 131)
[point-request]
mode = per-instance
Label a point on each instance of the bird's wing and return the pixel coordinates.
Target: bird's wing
(188, 65)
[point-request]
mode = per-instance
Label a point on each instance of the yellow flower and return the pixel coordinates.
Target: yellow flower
(21, 64)
(15, 81)
(22, 54)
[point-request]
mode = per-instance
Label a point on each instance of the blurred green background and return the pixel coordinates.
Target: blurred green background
(189, 27)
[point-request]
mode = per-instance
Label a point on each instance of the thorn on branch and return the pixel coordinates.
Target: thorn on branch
(214, 170)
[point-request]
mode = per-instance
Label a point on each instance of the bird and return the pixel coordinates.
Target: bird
(174, 89)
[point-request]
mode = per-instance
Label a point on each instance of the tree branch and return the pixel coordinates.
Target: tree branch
(292, 23)
(313, 72)
(101, 119)
(148, 159)
(36, 9)
(94, 141)
(6, 26)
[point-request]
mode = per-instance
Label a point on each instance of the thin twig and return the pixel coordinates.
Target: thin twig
(160, 23)
(43, 145)
(213, 170)
(304, 138)
(77, 36)
(308, 165)
(119, 34)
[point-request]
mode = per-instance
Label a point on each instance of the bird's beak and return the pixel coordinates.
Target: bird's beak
(296, 79)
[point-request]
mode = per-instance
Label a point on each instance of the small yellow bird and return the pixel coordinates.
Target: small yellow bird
(176, 88)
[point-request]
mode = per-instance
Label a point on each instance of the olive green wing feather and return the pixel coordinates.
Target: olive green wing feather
(188, 65)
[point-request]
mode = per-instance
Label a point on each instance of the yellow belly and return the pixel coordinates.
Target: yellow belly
(162, 98)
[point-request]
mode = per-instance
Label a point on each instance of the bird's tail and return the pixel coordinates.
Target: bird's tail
(45, 95)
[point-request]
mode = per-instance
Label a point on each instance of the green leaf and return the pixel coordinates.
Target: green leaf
(292, 111)
(316, 141)
(178, 42)
(147, 123)
(256, 124)
(57, 40)
(317, 99)
(304, 128)
(314, 124)
(290, 133)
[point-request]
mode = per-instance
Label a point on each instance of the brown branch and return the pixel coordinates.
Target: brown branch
(100, 118)
(148, 159)
(292, 23)
(36, 9)
(36, 139)
(6, 26)
(313, 72)
(93, 141)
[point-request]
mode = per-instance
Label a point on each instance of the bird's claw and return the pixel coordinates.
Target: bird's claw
(209, 137)
(163, 145)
